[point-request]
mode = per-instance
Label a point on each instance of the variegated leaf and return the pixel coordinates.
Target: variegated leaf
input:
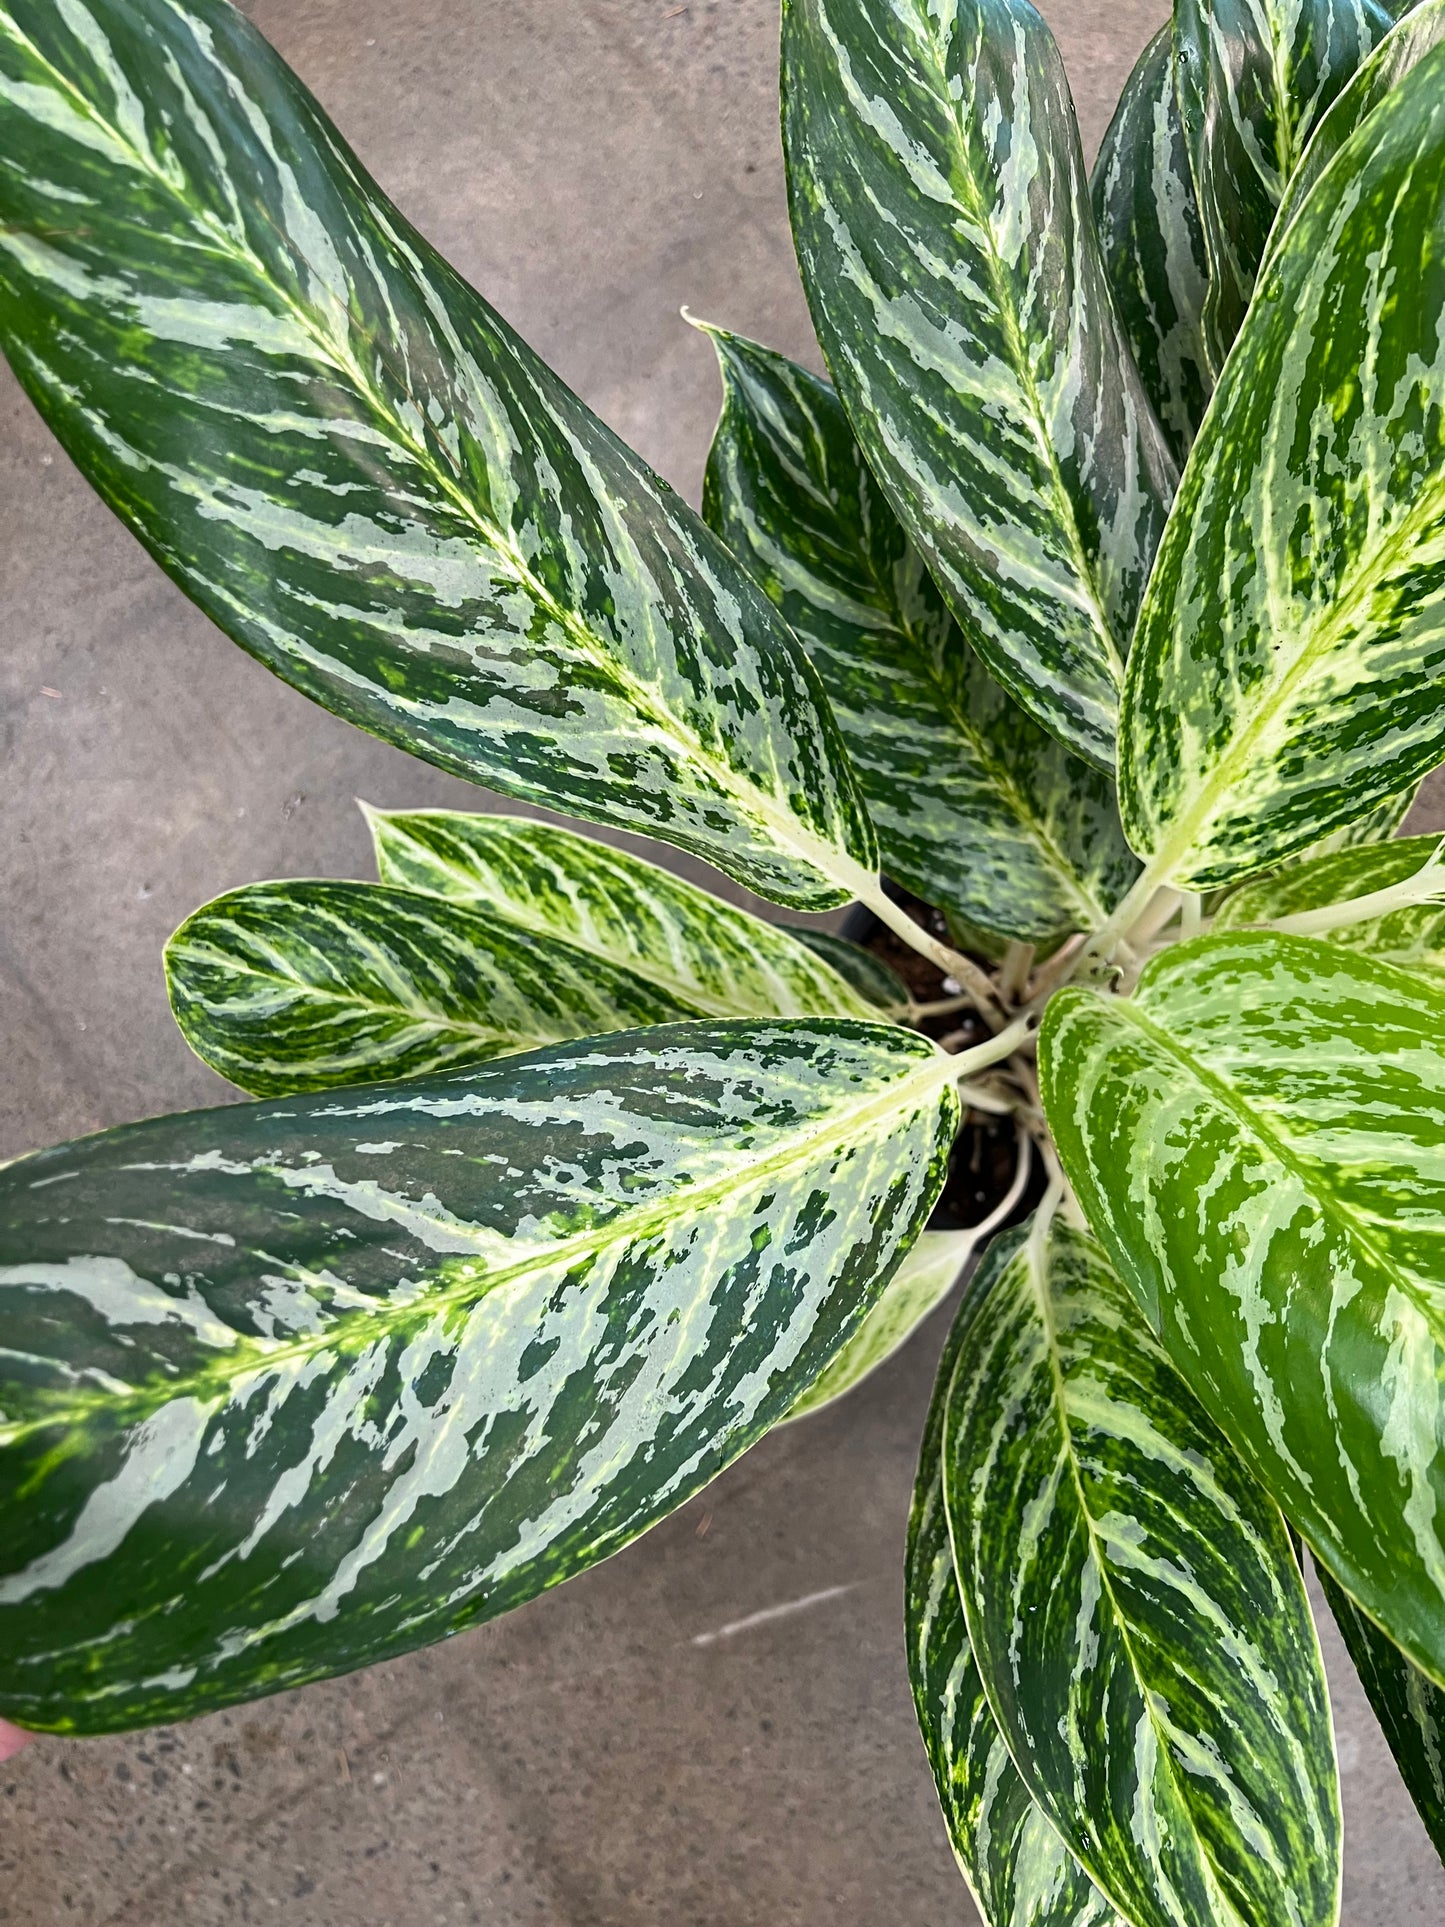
(1018, 1869)
(304, 986)
(1149, 229)
(625, 912)
(1256, 1136)
(1254, 78)
(977, 808)
(1134, 1606)
(1289, 669)
(876, 982)
(941, 214)
(917, 1288)
(1409, 1707)
(1411, 936)
(1404, 46)
(359, 471)
(292, 1387)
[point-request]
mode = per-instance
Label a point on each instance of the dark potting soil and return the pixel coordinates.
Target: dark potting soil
(984, 1152)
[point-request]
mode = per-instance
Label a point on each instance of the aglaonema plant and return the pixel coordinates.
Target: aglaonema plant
(1100, 602)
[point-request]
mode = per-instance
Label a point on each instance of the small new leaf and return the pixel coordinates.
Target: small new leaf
(304, 986)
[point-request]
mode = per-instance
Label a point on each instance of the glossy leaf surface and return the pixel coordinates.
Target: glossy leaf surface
(942, 220)
(1254, 78)
(1412, 938)
(1403, 47)
(1134, 1605)
(1149, 229)
(1018, 1869)
(304, 986)
(1256, 1136)
(362, 474)
(1289, 668)
(294, 1386)
(977, 808)
(1409, 1707)
(619, 909)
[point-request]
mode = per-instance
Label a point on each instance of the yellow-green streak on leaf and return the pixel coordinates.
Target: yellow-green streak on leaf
(1134, 1607)
(362, 474)
(1289, 667)
(1258, 1137)
(977, 808)
(289, 1388)
(943, 227)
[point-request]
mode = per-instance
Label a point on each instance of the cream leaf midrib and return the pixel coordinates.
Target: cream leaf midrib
(1035, 1259)
(1316, 638)
(789, 831)
(835, 1129)
(964, 179)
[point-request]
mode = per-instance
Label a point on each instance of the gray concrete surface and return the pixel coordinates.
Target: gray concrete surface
(591, 164)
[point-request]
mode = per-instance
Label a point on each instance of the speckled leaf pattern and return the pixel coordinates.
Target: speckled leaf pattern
(1411, 938)
(1018, 1869)
(977, 808)
(1289, 669)
(357, 469)
(1254, 78)
(285, 987)
(618, 908)
(1149, 229)
(1404, 47)
(1257, 1136)
(1409, 1707)
(942, 220)
(1134, 1606)
(292, 1387)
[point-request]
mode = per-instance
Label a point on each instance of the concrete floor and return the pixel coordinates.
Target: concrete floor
(591, 165)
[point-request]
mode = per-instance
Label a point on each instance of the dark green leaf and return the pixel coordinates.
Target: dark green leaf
(294, 1386)
(1409, 1707)
(978, 810)
(359, 471)
(1257, 1135)
(942, 220)
(1148, 221)
(1133, 1604)
(1020, 1872)
(618, 908)
(1289, 668)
